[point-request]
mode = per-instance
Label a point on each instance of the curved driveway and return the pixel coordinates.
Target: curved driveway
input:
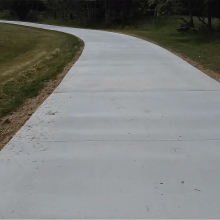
(133, 131)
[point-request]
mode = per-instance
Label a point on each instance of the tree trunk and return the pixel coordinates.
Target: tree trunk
(210, 23)
(55, 15)
(71, 16)
(191, 18)
(105, 11)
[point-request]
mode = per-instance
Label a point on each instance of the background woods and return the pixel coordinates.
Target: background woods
(111, 12)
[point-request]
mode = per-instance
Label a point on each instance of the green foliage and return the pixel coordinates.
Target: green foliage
(6, 15)
(113, 12)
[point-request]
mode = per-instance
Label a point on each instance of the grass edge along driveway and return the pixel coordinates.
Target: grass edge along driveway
(33, 62)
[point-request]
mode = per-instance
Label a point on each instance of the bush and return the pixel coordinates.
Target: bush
(6, 15)
(33, 16)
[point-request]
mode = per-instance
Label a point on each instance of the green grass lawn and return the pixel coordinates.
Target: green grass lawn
(29, 58)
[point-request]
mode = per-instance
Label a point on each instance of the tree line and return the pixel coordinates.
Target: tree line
(117, 11)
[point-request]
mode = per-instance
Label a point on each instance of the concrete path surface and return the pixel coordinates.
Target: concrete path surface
(133, 131)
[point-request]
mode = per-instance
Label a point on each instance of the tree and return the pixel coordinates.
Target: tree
(211, 10)
(200, 8)
(21, 7)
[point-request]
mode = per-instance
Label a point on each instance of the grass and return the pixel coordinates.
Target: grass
(29, 58)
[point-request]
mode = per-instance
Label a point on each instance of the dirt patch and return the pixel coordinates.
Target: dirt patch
(11, 124)
(214, 75)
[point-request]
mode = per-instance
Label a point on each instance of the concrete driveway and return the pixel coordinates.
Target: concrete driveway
(133, 131)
